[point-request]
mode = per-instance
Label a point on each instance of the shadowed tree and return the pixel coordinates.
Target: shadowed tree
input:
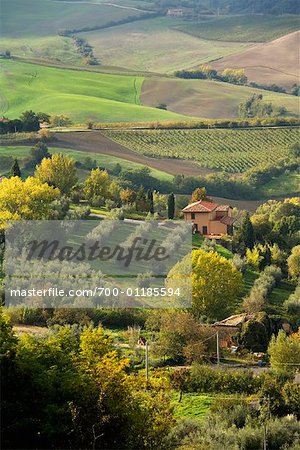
(15, 169)
(171, 206)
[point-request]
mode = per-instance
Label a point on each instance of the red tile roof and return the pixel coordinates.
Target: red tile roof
(227, 220)
(223, 208)
(203, 206)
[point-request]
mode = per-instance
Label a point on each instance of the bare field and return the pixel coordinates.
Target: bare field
(272, 62)
(94, 141)
(206, 99)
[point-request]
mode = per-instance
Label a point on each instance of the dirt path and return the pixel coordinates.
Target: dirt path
(87, 2)
(94, 141)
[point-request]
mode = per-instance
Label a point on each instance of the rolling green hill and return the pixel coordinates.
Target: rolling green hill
(80, 95)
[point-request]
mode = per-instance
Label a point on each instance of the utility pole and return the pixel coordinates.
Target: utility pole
(147, 364)
(265, 437)
(218, 351)
(265, 447)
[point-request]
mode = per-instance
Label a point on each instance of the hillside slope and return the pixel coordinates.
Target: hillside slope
(272, 62)
(80, 95)
(155, 45)
(204, 98)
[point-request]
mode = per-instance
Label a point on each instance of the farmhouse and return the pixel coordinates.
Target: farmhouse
(180, 12)
(175, 12)
(210, 219)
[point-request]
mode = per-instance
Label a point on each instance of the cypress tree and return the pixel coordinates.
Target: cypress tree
(150, 201)
(247, 232)
(171, 206)
(15, 169)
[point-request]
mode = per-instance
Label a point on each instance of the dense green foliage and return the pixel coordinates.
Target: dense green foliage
(255, 107)
(70, 389)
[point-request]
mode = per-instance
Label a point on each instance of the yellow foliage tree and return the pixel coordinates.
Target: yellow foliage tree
(29, 199)
(58, 171)
(99, 187)
(216, 283)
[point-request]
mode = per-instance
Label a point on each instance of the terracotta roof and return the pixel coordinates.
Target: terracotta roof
(222, 208)
(200, 206)
(227, 220)
(203, 206)
(234, 321)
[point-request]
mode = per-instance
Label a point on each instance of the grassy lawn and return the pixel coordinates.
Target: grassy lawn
(105, 161)
(279, 295)
(244, 28)
(192, 405)
(149, 45)
(80, 95)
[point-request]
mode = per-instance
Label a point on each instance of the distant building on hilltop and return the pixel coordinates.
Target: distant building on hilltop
(210, 219)
(175, 12)
(180, 12)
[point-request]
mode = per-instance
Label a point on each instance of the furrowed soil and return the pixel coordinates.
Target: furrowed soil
(94, 141)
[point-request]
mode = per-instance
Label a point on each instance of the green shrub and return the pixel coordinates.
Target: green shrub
(205, 379)
(119, 318)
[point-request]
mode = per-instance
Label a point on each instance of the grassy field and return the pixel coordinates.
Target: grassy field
(30, 18)
(50, 48)
(229, 150)
(194, 406)
(29, 28)
(209, 99)
(108, 162)
(288, 184)
(153, 45)
(244, 28)
(82, 96)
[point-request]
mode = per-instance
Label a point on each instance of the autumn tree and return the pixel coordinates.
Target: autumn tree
(29, 199)
(294, 262)
(200, 194)
(128, 196)
(81, 388)
(60, 121)
(58, 171)
(15, 170)
(235, 76)
(180, 337)
(216, 284)
(99, 186)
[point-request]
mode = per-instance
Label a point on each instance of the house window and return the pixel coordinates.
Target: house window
(204, 230)
(193, 215)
